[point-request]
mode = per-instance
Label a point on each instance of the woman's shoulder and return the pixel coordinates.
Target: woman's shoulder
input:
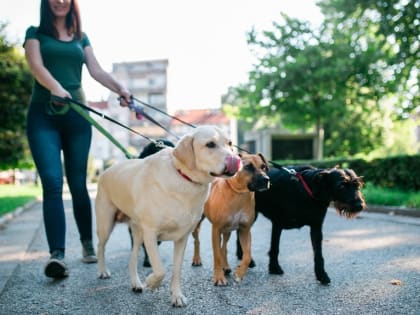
(85, 40)
(31, 32)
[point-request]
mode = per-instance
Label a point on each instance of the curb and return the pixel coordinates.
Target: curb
(6, 218)
(408, 212)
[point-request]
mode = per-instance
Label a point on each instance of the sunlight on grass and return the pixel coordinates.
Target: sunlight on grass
(14, 196)
(391, 197)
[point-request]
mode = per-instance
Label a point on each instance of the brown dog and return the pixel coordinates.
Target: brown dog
(229, 207)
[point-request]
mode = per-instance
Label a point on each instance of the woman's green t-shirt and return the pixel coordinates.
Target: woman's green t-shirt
(63, 59)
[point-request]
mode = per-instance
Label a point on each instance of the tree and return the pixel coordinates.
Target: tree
(397, 29)
(15, 90)
(323, 78)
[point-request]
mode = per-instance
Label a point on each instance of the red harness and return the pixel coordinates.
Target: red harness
(305, 185)
(301, 179)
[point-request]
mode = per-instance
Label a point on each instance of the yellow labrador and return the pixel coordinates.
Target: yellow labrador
(163, 195)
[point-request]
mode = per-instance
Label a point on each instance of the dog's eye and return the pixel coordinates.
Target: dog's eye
(230, 143)
(264, 167)
(249, 168)
(211, 145)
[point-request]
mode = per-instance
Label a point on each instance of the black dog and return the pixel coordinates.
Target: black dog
(150, 149)
(301, 196)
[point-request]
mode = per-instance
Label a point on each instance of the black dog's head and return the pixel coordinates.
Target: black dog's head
(254, 170)
(154, 147)
(344, 186)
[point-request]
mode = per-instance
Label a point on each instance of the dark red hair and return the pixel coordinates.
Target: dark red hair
(73, 22)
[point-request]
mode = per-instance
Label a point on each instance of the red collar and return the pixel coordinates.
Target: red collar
(305, 185)
(185, 176)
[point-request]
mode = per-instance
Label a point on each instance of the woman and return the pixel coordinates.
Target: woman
(56, 51)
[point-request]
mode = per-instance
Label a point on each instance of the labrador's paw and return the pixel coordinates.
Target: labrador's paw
(137, 286)
(179, 300)
(105, 274)
(153, 280)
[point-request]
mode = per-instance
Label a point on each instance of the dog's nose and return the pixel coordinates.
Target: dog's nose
(359, 206)
(263, 183)
(266, 180)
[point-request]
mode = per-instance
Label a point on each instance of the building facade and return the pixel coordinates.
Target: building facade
(147, 81)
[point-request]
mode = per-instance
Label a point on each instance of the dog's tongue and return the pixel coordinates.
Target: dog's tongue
(232, 162)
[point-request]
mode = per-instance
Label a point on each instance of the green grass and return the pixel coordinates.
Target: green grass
(391, 197)
(13, 196)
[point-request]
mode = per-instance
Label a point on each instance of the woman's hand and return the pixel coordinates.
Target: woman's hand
(125, 97)
(59, 92)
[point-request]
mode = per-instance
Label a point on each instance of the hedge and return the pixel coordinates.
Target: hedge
(401, 172)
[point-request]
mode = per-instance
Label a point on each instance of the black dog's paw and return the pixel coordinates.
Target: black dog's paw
(275, 269)
(252, 264)
(146, 263)
(323, 278)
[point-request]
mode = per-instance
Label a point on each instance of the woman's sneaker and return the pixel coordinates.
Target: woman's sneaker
(55, 267)
(88, 252)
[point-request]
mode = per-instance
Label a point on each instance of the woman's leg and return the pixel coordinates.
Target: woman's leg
(45, 144)
(76, 144)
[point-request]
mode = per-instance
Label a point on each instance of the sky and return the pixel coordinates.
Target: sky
(204, 41)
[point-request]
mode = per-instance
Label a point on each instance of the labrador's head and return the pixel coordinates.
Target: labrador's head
(207, 150)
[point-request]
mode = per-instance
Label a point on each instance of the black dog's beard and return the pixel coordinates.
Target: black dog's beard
(344, 210)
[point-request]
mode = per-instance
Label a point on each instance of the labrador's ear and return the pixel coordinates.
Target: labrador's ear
(184, 152)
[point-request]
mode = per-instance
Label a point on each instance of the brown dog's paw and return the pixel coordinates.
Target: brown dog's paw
(237, 277)
(220, 282)
(219, 279)
(196, 262)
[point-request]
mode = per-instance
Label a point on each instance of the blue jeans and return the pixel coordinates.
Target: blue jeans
(48, 136)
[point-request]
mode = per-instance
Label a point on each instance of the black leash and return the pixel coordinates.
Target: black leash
(140, 112)
(163, 112)
(181, 121)
(70, 100)
(191, 125)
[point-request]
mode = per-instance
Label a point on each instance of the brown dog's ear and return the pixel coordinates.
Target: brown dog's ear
(264, 160)
(184, 152)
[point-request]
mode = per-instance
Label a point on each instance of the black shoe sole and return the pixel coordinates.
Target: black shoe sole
(56, 269)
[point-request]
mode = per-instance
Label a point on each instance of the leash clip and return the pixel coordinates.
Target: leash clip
(291, 171)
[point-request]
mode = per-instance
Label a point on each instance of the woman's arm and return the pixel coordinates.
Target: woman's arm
(103, 77)
(41, 74)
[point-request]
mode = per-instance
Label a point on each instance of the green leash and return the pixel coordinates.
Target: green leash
(86, 115)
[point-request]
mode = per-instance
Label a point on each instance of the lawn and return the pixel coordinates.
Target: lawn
(391, 197)
(13, 196)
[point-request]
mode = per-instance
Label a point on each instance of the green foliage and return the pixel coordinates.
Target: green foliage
(396, 27)
(15, 89)
(396, 172)
(352, 77)
(327, 79)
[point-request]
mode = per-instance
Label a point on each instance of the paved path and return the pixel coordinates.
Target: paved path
(363, 258)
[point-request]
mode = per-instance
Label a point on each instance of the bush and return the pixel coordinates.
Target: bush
(397, 172)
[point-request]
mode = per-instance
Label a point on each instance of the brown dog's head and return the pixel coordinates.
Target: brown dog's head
(254, 172)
